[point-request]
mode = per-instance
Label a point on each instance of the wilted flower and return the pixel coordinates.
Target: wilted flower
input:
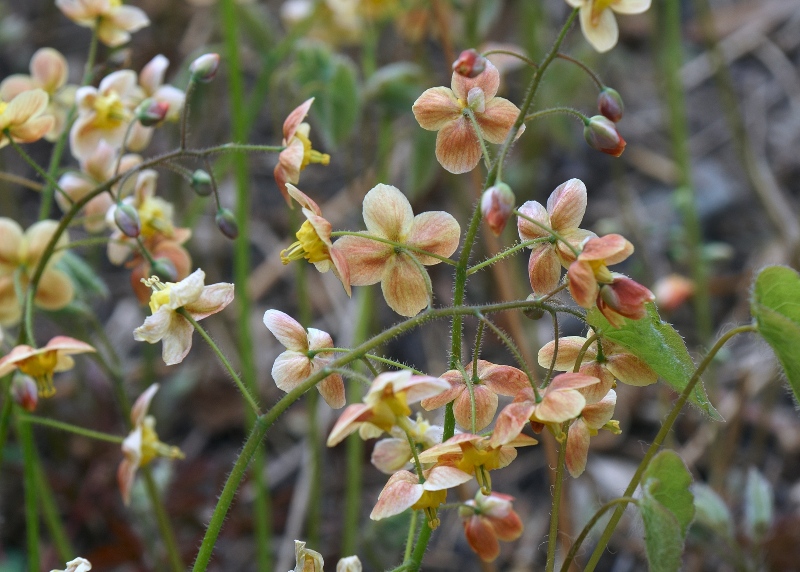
(169, 326)
(77, 565)
(23, 118)
(113, 21)
(393, 453)
(42, 363)
(141, 445)
(445, 110)
(601, 134)
(598, 24)
(404, 281)
(593, 417)
(487, 519)
(307, 560)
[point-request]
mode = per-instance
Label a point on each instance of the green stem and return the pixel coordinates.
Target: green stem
(412, 529)
(31, 505)
(582, 352)
(60, 425)
(21, 181)
(512, 347)
(584, 67)
(528, 61)
(5, 413)
(555, 110)
(381, 359)
(487, 159)
(552, 232)
(504, 254)
(659, 439)
(420, 547)
(395, 244)
(42, 173)
(549, 375)
(573, 550)
(552, 539)
(52, 518)
(164, 527)
(185, 111)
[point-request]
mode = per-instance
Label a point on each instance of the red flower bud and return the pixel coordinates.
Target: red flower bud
(204, 68)
(497, 203)
(609, 102)
(151, 112)
(25, 393)
(601, 134)
(623, 298)
(469, 63)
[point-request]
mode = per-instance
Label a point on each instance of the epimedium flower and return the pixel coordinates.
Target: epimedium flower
(20, 254)
(349, 564)
(385, 404)
(42, 363)
(446, 110)
(394, 453)
(77, 565)
(151, 83)
(598, 24)
(489, 381)
(142, 445)
(307, 560)
(314, 241)
(593, 417)
(487, 519)
(23, 119)
(564, 213)
(404, 280)
(167, 325)
(112, 21)
(303, 357)
(298, 153)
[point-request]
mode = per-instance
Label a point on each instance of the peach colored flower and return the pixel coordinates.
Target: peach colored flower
(560, 401)
(394, 453)
(386, 402)
(20, 254)
(49, 71)
(142, 444)
(672, 291)
(23, 118)
(167, 325)
(314, 241)
(42, 363)
(113, 22)
(404, 281)
(598, 24)
(300, 360)
(77, 565)
(565, 209)
(614, 363)
(487, 519)
(458, 148)
(489, 381)
(168, 253)
(593, 417)
(298, 153)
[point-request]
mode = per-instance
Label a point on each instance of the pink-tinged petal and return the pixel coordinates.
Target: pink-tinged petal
(187, 290)
(152, 75)
(122, 81)
(49, 68)
(568, 349)
(630, 370)
(130, 18)
(509, 527)
(155, 327)
(175, 345)
(67, 345)
(544, 269)
(488, 80)
(10, 307)
(612, 248)
(173, 97)
(126, 473)
(502, 379)
(559, 406)
(568, 381)
(55, 290)
(434, 231)
(450, 447)
(139, 138)
(602, 33)
(511, 421)
(497, 120)
(38, 236)
(366, 258)
(481, 537)
(596, 392)
(567, 205)
(15, 84)
(485, 408)
(457, 385)
(10, 243)
(444, 477)
(457, 147)
(576, 237)
(598, 414)
(476, 100)
(33, 129)
(317, 339)
(348, 422)
(332, 390)
(630, 6)
(404, 286)
(387, 213)
(582, 284)
(627, 297)
(142, 405)
(63, 363)
(418, 387)
(390, 455)
(9, 362)
(401, 492)
(289, 369)
(24, 106)
(577, 448)
(521, 440)
(295, 118)
(303, 200)
(213, 299)
(340, 268)
(288, 330)
(527, 229)
(435, 108)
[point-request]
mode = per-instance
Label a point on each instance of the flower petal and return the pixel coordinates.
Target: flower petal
(568, 349)
(404, 286)
(630, 370)
(528, 230)
(37, 238)
(434, 231)
(187, 290)
(366, 258)
(544, 269)
(23, 107)
(457, 147)
(213, 299)
(142, 404)
(502, 379)
(603, 34)
(295, 118)
(349, 421)
(577, 448)
(390, 455)
(443, 477)
(630, 6)
(497, 120)
(435, 108)
(485, 408)
(401, 492)
(582, 284)
(457, 385)
(289, 369)
(55, 290)
(288, 330)
(559, 406)
(387, 213)
(177, 342)
(332, 390)
(155, 327)
(598, 414)
(511, 421)
(10, 243)
(567, 205)
(482, 538)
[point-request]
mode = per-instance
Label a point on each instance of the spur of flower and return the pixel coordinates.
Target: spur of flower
(389, 251)
(77, 565)
(564, 213)
(303, 357)
(598, 24)
(385, 404)
(20, 253)
(42, 363)
(112, 21)
(314, 241)
(23, 119)
(394, 453)
(298, 153)
(141, 445)
(487, 519)
(489, 381)
(447, 110)
(168, 325)
(593, 417)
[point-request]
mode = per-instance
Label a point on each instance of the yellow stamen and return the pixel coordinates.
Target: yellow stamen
(109, 111)
(41, 367)
(311, 155)
(309, 246)
(155, 215)
(3, 106)
(160, 295)
(601, 272)
(152, 447)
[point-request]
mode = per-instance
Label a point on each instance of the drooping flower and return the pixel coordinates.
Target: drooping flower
(300, 360)
(404, 281)
(593, 417)
(307, 560)
(24, 118)
(598, 24)
(497, 202)
(113, 21)
(142, 445)
(349, 564)
(446, 110)
(487, 519)
(20, 254)
(151, 82)
(77, 565)
(314, 241)
(489, 381)
(565, 209)
(42, 363)
(298, 153)
(172, 259)
(394, 453)
(169, 326)
(385, 403)
(601, 133)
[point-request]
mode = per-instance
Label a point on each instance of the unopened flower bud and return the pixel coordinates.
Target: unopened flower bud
(227, 223)
(127, 220)
(533, 313)
(25, 392)
(165, 269)
(601, 134)
(204, 68)
(623, 297)
(151, 112)
(201, 183)
(497, 203)
(469, 63)
(609, 102)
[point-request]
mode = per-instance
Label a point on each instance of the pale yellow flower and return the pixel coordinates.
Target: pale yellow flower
(24, 119)
(113, 21)
(598, 24)
(77, 565)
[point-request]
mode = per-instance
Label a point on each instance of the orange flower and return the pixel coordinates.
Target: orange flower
(487, 519)
(42, 363)
(23, 118)
(593, 417)
(445, 110)
(393, 453)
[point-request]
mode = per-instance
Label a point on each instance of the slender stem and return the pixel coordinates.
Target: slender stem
(582, 352)
(549, 376)
(185, 111)
(42, 173)
(552, 539)
(412, 529)
(487, 159)
(164, 527)
(573, 550)
(378, 358)
(420, 547)
(584, 67)
(528, 61)
(87, 242)
(123, 147)
(60, 425)
(410, 247)
(31, 505)
(659, 439)
(349, 373)
(5, 413)
(555, 110)
(504, 254)
(552, 232)
(221, 356)
(52, 518)
(512, 347)
(21, 181)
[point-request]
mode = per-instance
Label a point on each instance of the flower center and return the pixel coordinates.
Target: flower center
(309, 246)
(160, 295)
(429, 501)
(109, 110)
(155, 215)
(311, 155)
(3, 106)
(598, 7)
(152, 447)
(41, 367)
(601, 272)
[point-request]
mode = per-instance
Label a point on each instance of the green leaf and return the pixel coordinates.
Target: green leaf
(711, 511)
(758, 505)
(776, 308)
(661, 347)
(662, 536)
